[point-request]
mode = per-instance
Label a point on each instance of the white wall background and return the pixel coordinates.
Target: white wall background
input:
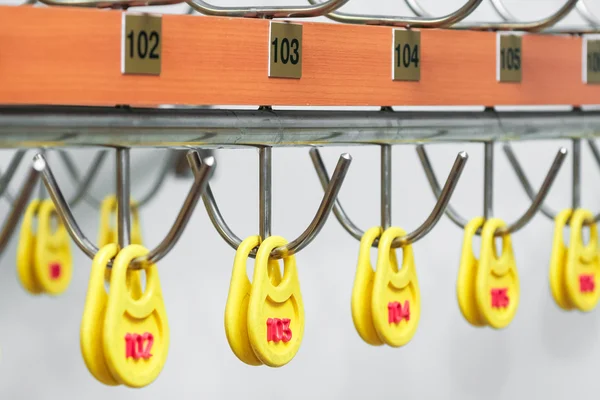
(545, 352)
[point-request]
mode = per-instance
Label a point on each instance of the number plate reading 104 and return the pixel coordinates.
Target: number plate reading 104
(141, 44)
(406, 55)
(509, 58)
(591, 60)
(285, 50)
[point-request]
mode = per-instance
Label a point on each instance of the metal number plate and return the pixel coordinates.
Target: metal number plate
(509, 57)
(285, 50)
(591, 59)
(406, 55)
(141, 44)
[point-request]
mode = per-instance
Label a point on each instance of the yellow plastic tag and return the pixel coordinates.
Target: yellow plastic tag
(275, 311)
(497, 281)
(362, 290)
(108, 233)
(92, 324)
(136, 331)
(467, 272)
(396, 301)
(582, 270)
(53, 262)
(25, 251)
(558, 261)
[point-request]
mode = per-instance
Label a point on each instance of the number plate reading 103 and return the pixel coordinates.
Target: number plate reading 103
(285, 50)
(509, 58)
(591, 60)
(141, 44)
(406, 55)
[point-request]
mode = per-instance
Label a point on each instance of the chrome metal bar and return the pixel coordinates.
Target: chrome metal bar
(576, 179)
(264, 192)
(514, 162)
(123, 197)
(302, 11)
(185, 213)
(408, 22)
(18, 207)
(386, 186)
(488, 180)
(62, 207)
(22, 127)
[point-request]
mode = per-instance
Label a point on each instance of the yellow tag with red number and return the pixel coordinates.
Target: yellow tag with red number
(396, 301)
(236, 309)
(91, 333)
(136, 331)
(107, 232)
(275, 310)
(53, 262)
(558, 262)
(362, 291)
(467, 272)
(497, 281)
(582, 270)
(26, 250)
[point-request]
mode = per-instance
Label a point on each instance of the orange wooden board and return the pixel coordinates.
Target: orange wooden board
(68, 56)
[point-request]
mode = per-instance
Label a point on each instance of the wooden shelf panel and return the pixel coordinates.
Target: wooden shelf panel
(63, 56)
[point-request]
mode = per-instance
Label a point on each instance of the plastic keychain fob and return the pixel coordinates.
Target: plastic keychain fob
(582, 270)
(396, 301)
(91, 334)
(136, 331)
(467, 272)
(558, 262)
(362, 291)
(275, 311)
(497, 282)
(53, 261)
(26, 250)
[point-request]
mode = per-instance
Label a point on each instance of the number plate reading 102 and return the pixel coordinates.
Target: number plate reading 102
(141, 44)
(591, 60)
(285, 50)
(509, 58)
(406, 55)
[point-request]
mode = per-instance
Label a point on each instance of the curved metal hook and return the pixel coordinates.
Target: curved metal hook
(10, 172)
(512, 159)
(64, 211)
(533, 26)
(408, 22)
(17, 209)
(527, 215)
(316, 10)
(587, 14)
(327, 203)
(423, 229)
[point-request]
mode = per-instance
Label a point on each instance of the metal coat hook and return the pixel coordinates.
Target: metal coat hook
(386, 164)
(307, 236)
(315, 10)
(64, 211)
(584, 10)
(13, 164)
(576, 177)
(537, 201)
(408, 22)
(509, 23)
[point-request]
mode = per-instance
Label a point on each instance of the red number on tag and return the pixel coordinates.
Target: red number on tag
(278, 329)
(397, 313)
(586, 283)
(134, 345)
(500, 298)
(54, 270)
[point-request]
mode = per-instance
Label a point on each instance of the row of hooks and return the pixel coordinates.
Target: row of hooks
(203, 169)
(328, 8)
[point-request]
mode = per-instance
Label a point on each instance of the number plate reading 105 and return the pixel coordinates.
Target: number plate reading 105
(285, 50)
(141, 44)
(509, 58)
(406, 55)
(591, 60)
